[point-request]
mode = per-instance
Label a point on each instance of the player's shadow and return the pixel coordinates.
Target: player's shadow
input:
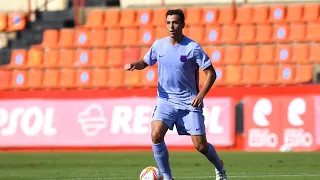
(162, 91)
(180, 123)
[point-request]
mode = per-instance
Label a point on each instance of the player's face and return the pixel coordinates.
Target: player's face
(174, 25)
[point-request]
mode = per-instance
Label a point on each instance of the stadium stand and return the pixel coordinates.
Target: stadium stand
(250, 44)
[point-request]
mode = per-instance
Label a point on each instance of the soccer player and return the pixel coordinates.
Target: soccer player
(179, 100)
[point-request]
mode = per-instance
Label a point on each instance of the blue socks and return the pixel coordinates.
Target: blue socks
(161, 156)
(214, 158)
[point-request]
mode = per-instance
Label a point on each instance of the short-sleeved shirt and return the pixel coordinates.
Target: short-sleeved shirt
(178, 70)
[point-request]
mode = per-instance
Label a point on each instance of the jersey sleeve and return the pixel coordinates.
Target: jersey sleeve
(201, 57)
(151, 57)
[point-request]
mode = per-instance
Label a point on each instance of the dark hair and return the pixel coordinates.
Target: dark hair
(178, 12)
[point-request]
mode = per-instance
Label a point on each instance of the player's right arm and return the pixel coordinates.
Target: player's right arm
(148, 60)
(138, 65)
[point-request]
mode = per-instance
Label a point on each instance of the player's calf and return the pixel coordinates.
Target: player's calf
(208, 150)
(200, 143)
(159, 148)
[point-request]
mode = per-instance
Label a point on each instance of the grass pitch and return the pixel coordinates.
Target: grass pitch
(185, 165)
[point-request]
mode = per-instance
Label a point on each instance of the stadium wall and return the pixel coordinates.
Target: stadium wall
(114, 120)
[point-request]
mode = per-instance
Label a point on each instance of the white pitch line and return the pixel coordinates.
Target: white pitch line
(207, 177)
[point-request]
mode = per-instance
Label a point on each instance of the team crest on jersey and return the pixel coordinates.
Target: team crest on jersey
(183, 58)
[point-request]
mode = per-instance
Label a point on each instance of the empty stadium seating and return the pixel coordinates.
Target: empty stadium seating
(249, 45)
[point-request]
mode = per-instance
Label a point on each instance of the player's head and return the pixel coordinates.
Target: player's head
(175, 22)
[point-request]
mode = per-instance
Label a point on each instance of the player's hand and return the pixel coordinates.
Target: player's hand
(129, 67)
(197, 101)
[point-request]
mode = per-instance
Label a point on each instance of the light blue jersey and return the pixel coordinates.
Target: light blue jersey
(178, 70)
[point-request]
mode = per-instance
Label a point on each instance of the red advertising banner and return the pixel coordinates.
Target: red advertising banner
(100, 122)
(317, 117)
(262, 126)
(298, 123)
(280, 123)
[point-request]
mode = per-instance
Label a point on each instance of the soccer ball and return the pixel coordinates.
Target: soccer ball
(151, 173)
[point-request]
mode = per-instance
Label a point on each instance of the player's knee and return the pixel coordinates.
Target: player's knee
(201, 147)
(156, 137)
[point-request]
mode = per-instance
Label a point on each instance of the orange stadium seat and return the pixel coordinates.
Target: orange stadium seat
(260, 14)
(303, 73)
(35, 58)
(286, 74)
(35, 79)
(311, 12)
(146, 36)
(127, 17)
(131, 54)
(97, 38)
(266, 54)
(67, 78)
(193, 16)
(250, 75)
(133, 79)
(18, 58)
(112, 18)
(221, 76)
(66, 38)
(210, 16)
(144, 17)
(197, 33)
(283, 53)
(51, 59)
(264, 33)
(19, 79)
(5, 79)
(213, 34)
(229, 34)
(114, 37)
(232, 55)
(268, 74)
(226, 15)
(130, 37)
(115, 57)
(247, 33)
(233, 75)
(159, 15)
(100, 78)
(83, 78)
(3, 21)
(83, 58)
(144, 51)
(16, 21)
(280, 33)
(277, 13)
(95, 18)
(294, 12)
(315, 53)
(50, 38)
(216, 54)
(51, 78)
(297, 32)
(149, 77)
(244, 14)
(300, 53)
(116, 78)
(249, 54)
(66, 58)
(160, 32)
(82, 37)
(313, 32)
(99, 57)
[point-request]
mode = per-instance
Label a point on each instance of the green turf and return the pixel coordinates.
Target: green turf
(185, 165)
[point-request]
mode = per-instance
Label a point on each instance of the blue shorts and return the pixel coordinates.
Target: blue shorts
(187, 122)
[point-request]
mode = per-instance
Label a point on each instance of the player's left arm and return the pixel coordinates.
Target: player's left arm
(205, 64)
